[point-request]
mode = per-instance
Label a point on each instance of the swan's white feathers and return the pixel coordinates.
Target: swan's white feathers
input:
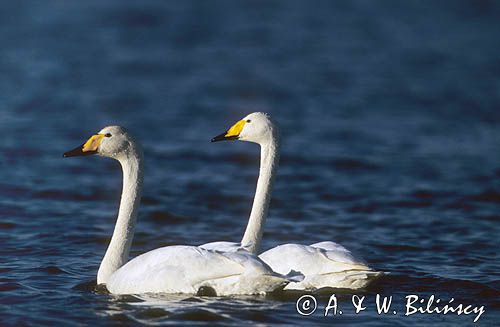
(184, 269)
(223, 246)
(330, 246)
(310, 259)
(324, 264)
(337, 252)
(312, 267)
(353, 280)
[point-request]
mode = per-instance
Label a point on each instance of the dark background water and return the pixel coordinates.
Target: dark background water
(389, 111)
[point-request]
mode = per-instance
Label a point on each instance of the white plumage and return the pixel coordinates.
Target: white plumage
(184, 269)
(324, 264)
(172, 269)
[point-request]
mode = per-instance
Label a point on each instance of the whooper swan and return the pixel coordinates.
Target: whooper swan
(324, 264)
(171, 269)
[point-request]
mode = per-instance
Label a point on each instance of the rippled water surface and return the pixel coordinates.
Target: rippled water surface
(389, 113)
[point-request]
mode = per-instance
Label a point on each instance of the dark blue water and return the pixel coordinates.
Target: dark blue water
(390, 115)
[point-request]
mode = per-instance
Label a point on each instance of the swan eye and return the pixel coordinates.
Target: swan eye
(249, 121)
(107, 135)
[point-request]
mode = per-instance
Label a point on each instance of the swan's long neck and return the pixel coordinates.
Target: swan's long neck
(269, 157)
(119, 246)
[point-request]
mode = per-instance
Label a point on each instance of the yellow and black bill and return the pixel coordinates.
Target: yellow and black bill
(231, 134)
(88, 148)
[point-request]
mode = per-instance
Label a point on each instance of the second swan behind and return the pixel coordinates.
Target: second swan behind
(324, 264)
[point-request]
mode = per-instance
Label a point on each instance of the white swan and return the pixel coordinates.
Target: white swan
(171, 269)
(324, 264)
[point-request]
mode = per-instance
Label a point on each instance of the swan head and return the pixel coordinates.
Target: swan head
(256, 127)
(111, 141)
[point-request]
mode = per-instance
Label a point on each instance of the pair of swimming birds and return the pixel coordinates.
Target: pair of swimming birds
(227, 268)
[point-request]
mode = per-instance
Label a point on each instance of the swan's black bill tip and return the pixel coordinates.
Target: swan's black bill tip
(74, 153)
(78, 152)
(220, 137)
(223, 137)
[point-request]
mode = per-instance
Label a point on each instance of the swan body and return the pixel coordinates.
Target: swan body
(171, 269)
(185, 269)
(324, 264)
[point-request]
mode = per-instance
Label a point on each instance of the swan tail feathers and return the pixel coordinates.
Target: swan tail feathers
(353, 280)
